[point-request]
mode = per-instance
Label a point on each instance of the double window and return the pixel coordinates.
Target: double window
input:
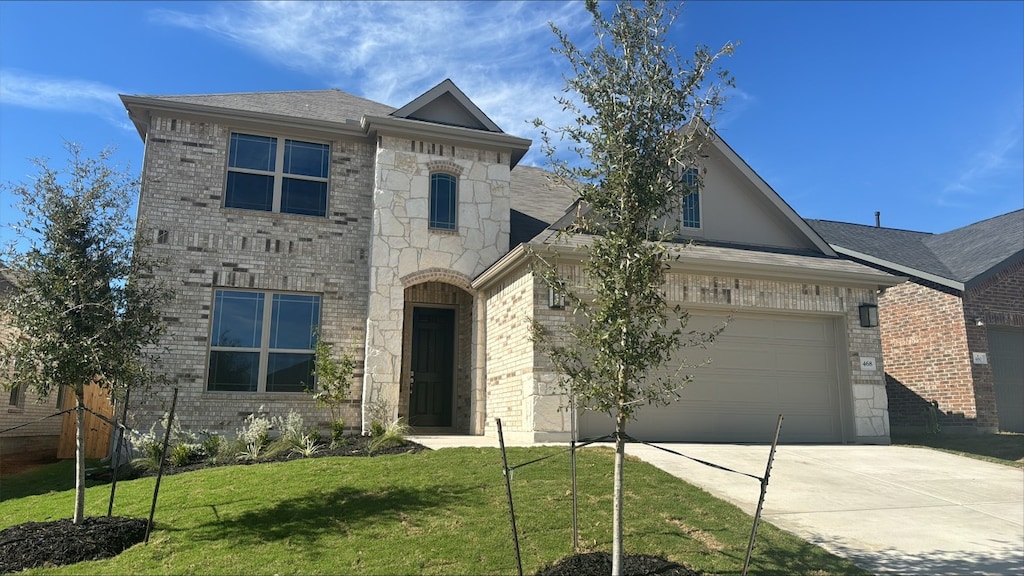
(443, 201)
(689, 216)
(277, 175)
(262, 341)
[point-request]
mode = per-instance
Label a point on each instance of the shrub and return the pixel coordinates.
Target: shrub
(308, 447)
(338, 432)
(393, 435)
(183, 454)
(378, 411)
(291, 427)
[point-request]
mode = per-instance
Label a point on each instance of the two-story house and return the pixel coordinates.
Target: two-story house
(401, 236)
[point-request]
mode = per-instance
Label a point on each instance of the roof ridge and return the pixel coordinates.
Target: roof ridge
(871, 226)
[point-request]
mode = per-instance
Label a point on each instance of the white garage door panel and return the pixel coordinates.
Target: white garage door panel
(761, 366)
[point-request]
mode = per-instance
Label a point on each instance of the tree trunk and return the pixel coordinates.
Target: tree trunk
(79, 457)
(620, 458)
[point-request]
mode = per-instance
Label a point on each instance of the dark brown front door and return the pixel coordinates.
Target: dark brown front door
(433, 351)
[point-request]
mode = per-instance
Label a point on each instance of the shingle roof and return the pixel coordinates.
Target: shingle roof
(536, 203)
(328, 105)
(960, 255)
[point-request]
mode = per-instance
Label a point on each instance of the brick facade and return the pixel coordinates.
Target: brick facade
(204, 247)
(929, 333)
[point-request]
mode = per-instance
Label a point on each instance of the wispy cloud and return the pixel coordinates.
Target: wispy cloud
(993, 163)
(497, 52)
(26, 90)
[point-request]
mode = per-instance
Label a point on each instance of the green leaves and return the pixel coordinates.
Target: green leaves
(642, 116)
(81, 312)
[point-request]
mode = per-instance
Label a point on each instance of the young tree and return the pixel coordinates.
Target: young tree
(86, 310)
(641, 119)
(333, 382)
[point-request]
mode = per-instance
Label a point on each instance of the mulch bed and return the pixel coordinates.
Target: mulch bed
(600, 564)
(61, 542)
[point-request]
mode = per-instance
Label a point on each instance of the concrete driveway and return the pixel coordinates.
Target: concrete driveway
(889, 509)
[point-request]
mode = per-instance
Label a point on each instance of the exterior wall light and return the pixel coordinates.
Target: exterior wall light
(868, 315)
(555, 300)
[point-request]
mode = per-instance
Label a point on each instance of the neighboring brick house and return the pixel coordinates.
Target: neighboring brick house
(402, 235)
(953, 334)
(19, 407)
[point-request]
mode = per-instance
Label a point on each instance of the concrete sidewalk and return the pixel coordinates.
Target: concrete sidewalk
(889, 509)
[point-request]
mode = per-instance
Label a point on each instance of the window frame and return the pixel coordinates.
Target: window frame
(432, 221)
(278, 174)
(691, 178)
(264, 349)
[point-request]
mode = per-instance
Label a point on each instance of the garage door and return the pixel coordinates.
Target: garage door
(1006, 353)
(761, 366)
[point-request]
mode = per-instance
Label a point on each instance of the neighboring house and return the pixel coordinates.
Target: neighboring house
(403, 233)
(19, 406)
(953, 334)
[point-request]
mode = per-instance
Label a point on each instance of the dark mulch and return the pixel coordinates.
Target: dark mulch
(600, 563)
(61, 542)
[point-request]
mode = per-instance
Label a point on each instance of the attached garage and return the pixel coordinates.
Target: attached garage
(1006, 349)
(761, 366)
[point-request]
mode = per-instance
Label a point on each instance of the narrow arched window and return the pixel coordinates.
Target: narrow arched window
(443, 201)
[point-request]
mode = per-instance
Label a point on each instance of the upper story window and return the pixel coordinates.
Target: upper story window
(259, 348)
(277, 175)
(689, 216)
(443, 201)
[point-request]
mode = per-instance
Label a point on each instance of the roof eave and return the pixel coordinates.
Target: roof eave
(515, 146)
(947, 282)
(137, 105)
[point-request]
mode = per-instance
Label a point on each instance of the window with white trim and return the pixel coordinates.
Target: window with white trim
(443, 201)
(277, 175)
(262, 341)
(689, 213)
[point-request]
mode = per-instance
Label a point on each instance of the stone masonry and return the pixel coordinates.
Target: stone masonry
(403, 246)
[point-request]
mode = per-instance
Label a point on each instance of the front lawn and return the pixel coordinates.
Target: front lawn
(1004, 448)
(440, 512)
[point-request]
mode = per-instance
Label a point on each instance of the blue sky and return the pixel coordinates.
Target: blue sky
(915, 109)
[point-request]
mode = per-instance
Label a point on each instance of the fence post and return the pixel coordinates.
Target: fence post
(760, 501)
(160, 472)
(508, 490)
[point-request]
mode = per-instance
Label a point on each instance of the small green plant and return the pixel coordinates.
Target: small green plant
(151, 455)
(378, 411)
(392, 435)
(251, 451)
(333, 379)
(210, 442)
(184, 454)
(338, 432)
(308, 447)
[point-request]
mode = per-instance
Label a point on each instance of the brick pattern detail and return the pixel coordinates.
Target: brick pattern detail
(205, 246)
(527, 397)
(928, 336)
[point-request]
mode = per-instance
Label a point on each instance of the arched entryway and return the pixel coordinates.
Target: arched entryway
(436, 383)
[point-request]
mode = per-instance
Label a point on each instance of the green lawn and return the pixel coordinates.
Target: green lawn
(1003, 448)
(440, 512)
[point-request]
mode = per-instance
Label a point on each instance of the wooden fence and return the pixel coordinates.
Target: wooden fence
(97, 432)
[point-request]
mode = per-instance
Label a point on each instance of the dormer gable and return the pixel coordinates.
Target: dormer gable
(446, 104)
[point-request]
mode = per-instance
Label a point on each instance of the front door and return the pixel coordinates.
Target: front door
(432, 378)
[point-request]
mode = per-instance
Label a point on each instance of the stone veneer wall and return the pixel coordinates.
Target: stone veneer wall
(205, 246)
(402, 245)
(543, 405)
